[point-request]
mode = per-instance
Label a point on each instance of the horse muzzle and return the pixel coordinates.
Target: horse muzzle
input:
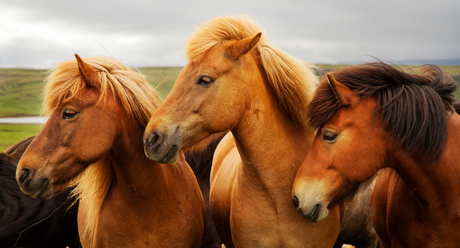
(309, 201)
(161, 147)
(313, 211)
(31, 183)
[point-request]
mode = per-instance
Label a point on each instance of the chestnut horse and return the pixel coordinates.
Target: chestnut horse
(99, 109)
(236, 81)
(373, 116)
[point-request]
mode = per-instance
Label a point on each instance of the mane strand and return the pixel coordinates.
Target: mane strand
(412, 106)
(138, 98)
(292, 80)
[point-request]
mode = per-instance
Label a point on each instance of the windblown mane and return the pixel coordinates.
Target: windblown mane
(138, 98)
(412, 106)
(292, 80)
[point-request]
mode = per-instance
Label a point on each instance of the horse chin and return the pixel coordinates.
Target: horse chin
(171, 156)
(315, 213)
(320, 214)
(44, 191)
(57, 188)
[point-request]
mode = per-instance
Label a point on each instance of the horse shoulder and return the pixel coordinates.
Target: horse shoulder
(396, 214)
(186, 189)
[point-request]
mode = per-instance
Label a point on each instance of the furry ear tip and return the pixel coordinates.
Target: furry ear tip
(77, 56)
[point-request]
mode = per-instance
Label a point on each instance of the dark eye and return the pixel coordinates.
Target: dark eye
(205, 80)
(68, 114)
(329, 136)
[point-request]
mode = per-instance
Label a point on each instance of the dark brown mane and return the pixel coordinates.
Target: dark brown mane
(412, 107)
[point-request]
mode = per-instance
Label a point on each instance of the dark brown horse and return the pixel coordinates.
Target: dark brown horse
(373, 116)
(28, 222)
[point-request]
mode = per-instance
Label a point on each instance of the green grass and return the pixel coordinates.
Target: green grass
(162, 78)
(11, 134)
(20, 92)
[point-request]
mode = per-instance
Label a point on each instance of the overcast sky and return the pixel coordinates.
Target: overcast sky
(41, 33)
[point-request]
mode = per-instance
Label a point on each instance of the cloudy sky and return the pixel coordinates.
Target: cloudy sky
(41, 33)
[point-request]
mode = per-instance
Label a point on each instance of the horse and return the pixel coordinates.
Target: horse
(236, 81)
(376, 118)
(27, 222)
(93, 139)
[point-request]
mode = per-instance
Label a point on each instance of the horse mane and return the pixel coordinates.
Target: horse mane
(413, 106)
(292, 80)
(137, 97)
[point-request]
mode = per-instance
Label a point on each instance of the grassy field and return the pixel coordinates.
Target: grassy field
(20, 94)
(11, 134)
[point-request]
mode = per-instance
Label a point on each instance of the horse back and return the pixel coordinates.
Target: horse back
(226, 163)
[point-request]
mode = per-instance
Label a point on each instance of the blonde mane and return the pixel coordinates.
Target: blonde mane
(138, 98)
(292, 79)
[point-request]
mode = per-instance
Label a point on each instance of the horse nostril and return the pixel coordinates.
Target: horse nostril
(295, 200)
(25, 175)
(153, 139)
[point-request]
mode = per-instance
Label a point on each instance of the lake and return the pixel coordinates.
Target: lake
(24, 120)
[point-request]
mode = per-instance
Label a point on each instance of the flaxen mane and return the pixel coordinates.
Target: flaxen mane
(412, 107)
(138, 98)
(292, 79)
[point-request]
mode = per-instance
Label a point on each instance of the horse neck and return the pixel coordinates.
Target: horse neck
(133, 170)
(435, 185)
(271, 146)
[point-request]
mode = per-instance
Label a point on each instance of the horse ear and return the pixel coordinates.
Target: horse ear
(87, 72)
(341, 91)
(243, 46)
(16, 151)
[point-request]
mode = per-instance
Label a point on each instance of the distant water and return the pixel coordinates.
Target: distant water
(24, 120)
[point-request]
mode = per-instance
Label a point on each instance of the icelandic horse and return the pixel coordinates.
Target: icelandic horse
(236, 81)
(375, 116)
(93, 139)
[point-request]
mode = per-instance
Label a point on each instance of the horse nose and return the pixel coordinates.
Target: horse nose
(295, 200)
(25, 175)
(153, 140)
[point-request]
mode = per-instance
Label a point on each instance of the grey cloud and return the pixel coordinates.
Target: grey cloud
(152, 33)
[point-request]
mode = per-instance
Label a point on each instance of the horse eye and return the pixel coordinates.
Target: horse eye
(69, 114)
(205, 80)
(329, 136)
